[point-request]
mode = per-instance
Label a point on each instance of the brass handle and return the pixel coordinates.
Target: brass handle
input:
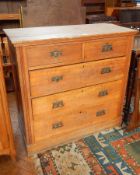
(103, 93)
(57, 125)
(56, 53)
(105, 70)
(107, 48)
(57, 78)
(100, 113)
(57, 104)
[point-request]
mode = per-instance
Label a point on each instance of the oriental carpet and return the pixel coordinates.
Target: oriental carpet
(111, 152)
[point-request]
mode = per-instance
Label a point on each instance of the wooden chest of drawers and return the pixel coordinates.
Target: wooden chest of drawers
(72, 80)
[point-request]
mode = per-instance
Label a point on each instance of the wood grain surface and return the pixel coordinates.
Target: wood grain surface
(62, 71)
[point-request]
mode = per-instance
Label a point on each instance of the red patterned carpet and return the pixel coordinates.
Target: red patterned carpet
(111, 152)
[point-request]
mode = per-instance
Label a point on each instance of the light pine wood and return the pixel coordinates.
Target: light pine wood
(6, 133)
(75, 76)
(94, 50)
(78, 133)
(127, 66)
(59, 97)
(73, 112)
(75, 120)
(46, 102)
(43, 55)
(135, 116)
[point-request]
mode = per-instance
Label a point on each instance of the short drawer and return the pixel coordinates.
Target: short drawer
(54, 55)
(60, 79)
(63, 112)
(105, 48)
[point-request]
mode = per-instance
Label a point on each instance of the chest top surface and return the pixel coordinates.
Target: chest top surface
(20, 36)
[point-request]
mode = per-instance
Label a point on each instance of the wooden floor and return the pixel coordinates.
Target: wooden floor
(23, 165)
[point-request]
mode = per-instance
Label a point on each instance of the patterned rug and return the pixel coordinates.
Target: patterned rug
(111, 152)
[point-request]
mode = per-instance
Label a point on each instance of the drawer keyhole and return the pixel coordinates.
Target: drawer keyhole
(100, 113)
(57, 125)
(106, 70)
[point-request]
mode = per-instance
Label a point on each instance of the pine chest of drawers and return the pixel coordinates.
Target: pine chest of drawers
(72, 80)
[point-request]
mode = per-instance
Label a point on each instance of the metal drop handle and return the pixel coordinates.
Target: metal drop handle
(106, 70)
(107, 48)
(103, 93)
(100, 113)
(56, 53)
(57, 125)
(57, 78)
(57, 104)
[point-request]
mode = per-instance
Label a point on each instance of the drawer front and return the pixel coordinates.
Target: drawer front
(63, 112)
(53, 55)
(76, 121)
(54, 80)
(105, 48)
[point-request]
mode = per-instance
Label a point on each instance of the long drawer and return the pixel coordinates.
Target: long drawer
(60, 79)
(106, 48)
(54, 55)
(75, 109)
